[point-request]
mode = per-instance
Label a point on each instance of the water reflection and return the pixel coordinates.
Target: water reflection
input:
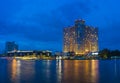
(48, 73)
(59, 70)
(16, 71)
(73, 71)
(115, 68)
(80, 71)
(94, 71)
(28, 71)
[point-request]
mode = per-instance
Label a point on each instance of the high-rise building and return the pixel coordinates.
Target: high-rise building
(80, 38)
(11, 46)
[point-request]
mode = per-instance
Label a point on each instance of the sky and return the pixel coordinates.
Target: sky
(38, 24)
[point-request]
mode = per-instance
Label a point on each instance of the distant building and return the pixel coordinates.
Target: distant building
(80, 38)
(11, 46)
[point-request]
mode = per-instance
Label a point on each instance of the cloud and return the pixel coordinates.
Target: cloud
(42, 22)
(75, 10)
(36, 22)
(109, 35)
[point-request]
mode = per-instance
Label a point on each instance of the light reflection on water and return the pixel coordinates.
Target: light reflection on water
(48, 73)
(94, 71)
(16, 71)
(27, 71)
(59, 71)
(80, 71)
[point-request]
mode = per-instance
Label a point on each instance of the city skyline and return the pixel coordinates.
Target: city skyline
(34, 25)
(59, 41)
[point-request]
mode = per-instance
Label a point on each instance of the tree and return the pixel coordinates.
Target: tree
(115, 53)
(105, 53)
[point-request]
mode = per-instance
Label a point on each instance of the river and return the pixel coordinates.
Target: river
(59, 71)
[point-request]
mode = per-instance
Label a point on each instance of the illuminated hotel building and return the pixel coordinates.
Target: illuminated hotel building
(80, 38)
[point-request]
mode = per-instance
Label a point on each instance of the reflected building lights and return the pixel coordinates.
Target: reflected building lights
(29, 71)
(94, 70)
(76, 69)
(59, 70)
(76, 66)
(48, 69)
(87, 64)
(18, 67)
(81, 71)
(16, 70)
(48, 63)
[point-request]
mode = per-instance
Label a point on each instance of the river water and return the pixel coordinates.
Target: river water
(59, 71)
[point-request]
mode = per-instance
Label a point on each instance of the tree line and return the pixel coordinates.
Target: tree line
(106, 53)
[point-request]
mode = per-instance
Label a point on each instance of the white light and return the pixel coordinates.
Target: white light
(95, 53)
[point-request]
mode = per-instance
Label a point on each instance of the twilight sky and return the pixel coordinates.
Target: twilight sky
(38, 24)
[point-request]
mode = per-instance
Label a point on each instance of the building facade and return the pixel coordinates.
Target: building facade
(80, 38)
(11, 46)
(20, 53)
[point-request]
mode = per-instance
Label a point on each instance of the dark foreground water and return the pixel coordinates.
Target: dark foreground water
(53, 71)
